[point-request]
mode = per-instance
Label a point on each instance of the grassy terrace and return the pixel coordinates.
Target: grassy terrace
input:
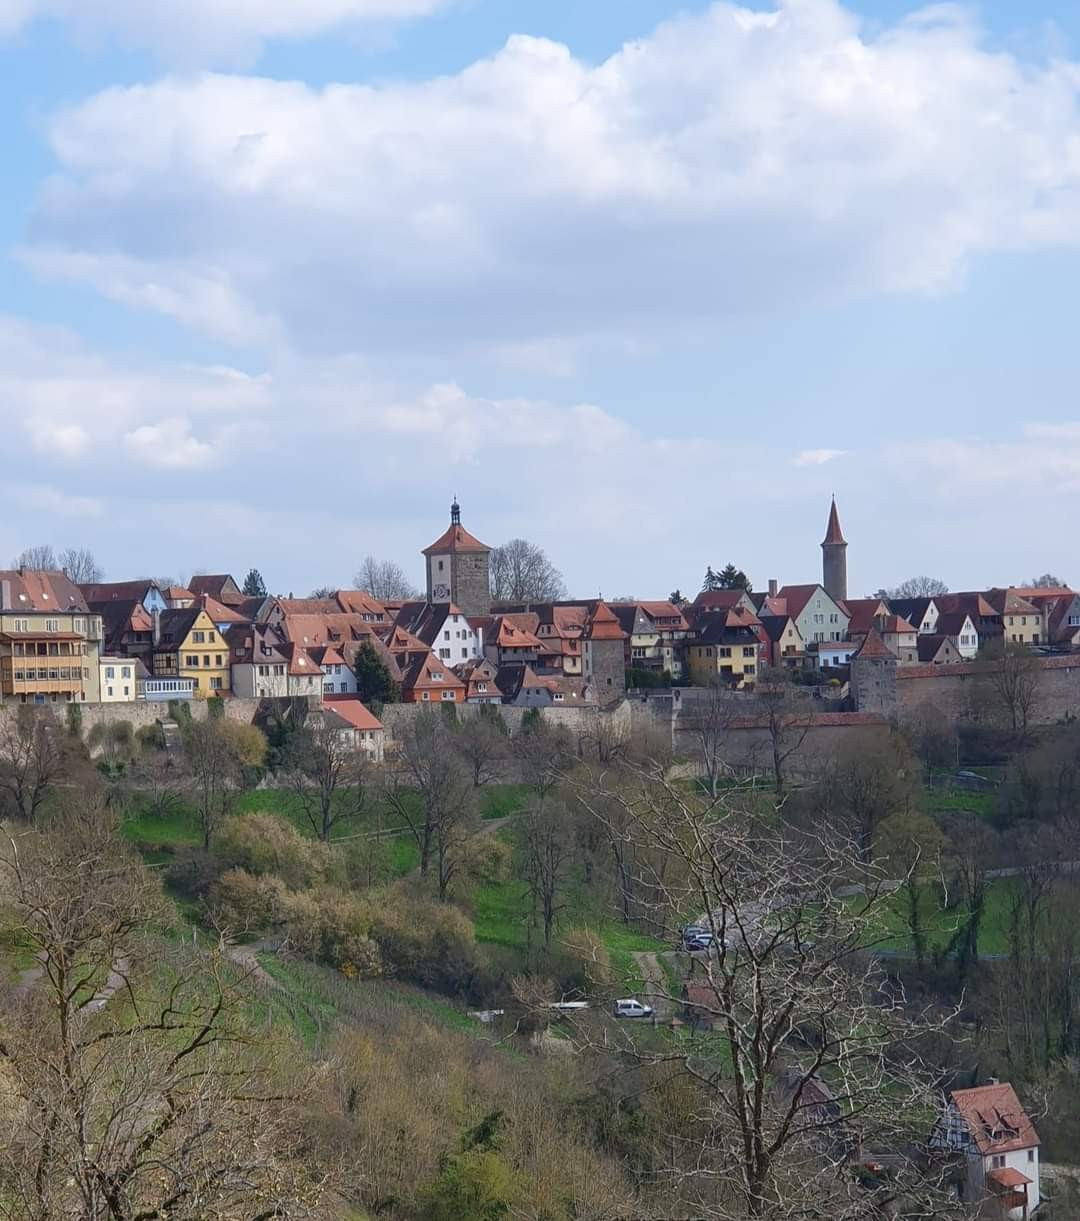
(157, 836)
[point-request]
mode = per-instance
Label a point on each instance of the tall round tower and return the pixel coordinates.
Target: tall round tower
(834, 558)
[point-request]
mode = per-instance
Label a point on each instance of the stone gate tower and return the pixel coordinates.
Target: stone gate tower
(459, 569)
(834, 558)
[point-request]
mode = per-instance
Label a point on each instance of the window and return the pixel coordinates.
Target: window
(206, 660)
(424, 694)
(344, 687)
(482, 687)
(191, 660)
(217, 659)
(464, 654)
(77, 625)
(446, 635)
(436, 676)
(1031, 1155)
(444, 654)
(127, 690)
(724, 651)
(211, 637)
(22, 625)
(109, 690)
(749, 669)
(1074, 621)
(52, 625)
(997, 1162)
(448, 695)
(198, 637)
(328, 688)
(216, 682)
(125, 672)
(110, 672)
(748, 650)
(279, 670)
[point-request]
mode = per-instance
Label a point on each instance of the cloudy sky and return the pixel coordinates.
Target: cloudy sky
(640, 280)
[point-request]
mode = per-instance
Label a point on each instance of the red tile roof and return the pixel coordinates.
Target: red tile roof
(603, 625)
(1008, 1176)
(796, 598)
(863, 612)
(995, 1118)
(38, 590)
(350, 709)
(833, 533)
(874, 647)
(456, 538)
(219, 612)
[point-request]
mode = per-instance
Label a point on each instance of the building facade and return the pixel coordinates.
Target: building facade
(49, 640)
(459, 569)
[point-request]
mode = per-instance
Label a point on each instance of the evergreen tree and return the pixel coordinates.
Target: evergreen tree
(676, 598)
(733, 578)
(712, 581)
(254, 586)
(373, 681)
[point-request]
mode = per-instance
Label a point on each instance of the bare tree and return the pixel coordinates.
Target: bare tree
(41, 558)
(916, 587)
(522, 572)
(432, 792)
(871, 778)
(32, 758)
(328, 774)
(80, 566)
(131, 1089)
(817, 1049)
(482, 744)
(546, 837)
(709, 715)
(787, 719)
(384, 580)
(1013, 676)
(1048, 581)
(218, 754)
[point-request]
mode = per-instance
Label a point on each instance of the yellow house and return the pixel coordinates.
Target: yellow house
(723, 653)
(1021, 622)
(187, 644)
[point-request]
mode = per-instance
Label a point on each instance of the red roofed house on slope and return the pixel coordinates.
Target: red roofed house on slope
(994, 1135)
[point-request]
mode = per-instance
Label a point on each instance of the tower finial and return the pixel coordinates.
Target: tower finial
(455, 512)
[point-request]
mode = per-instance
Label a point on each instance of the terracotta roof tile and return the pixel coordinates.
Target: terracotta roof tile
(456, 538)
(995, 1118)
(350, 708)
(873, 647)
(603, 625)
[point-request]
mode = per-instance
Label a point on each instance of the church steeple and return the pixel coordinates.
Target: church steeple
(455, 513)
(834, 558)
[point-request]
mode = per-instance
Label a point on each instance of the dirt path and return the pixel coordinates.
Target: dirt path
(246, 957)
(655, 984)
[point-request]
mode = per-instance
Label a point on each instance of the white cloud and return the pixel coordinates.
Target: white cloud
(818, 457)
(170, 445)
(45, 499)
(208, 31)
(731, 162)
(306, 468)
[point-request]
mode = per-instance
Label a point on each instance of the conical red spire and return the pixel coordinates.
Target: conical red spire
(833, 533)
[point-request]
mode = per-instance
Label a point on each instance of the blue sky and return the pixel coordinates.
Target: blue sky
(644, 282)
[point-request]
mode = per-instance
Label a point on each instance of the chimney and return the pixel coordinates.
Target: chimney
(773, 587)
(157, 628)
(5, 595)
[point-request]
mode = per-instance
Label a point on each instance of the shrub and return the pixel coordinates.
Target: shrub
(193, 872)
(149, 737)
(242, 902)
(266, 844)
(333, 927)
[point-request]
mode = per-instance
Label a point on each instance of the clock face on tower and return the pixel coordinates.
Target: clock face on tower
(440, 591)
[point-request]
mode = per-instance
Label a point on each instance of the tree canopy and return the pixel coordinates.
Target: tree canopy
(254, 586)
(729, 577)
(385, 580)
(522, 572)
(916, 587)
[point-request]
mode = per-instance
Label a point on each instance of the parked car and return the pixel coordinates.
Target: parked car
(630, 1008)
(696, 938)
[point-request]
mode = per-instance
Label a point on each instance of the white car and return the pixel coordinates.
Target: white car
(630, 1008)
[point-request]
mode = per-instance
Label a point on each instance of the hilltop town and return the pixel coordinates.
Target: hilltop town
(799, 862)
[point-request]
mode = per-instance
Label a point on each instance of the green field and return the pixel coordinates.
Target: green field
(941, 924)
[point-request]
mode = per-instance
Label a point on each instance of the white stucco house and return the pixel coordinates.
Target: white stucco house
(998, 1147)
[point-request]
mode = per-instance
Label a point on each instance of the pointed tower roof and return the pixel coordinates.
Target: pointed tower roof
(833, 533)
(874, 648)
(603, 624)
(455, 537)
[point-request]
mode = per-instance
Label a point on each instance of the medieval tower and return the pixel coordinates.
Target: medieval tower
(834, 558)
(459, 569)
